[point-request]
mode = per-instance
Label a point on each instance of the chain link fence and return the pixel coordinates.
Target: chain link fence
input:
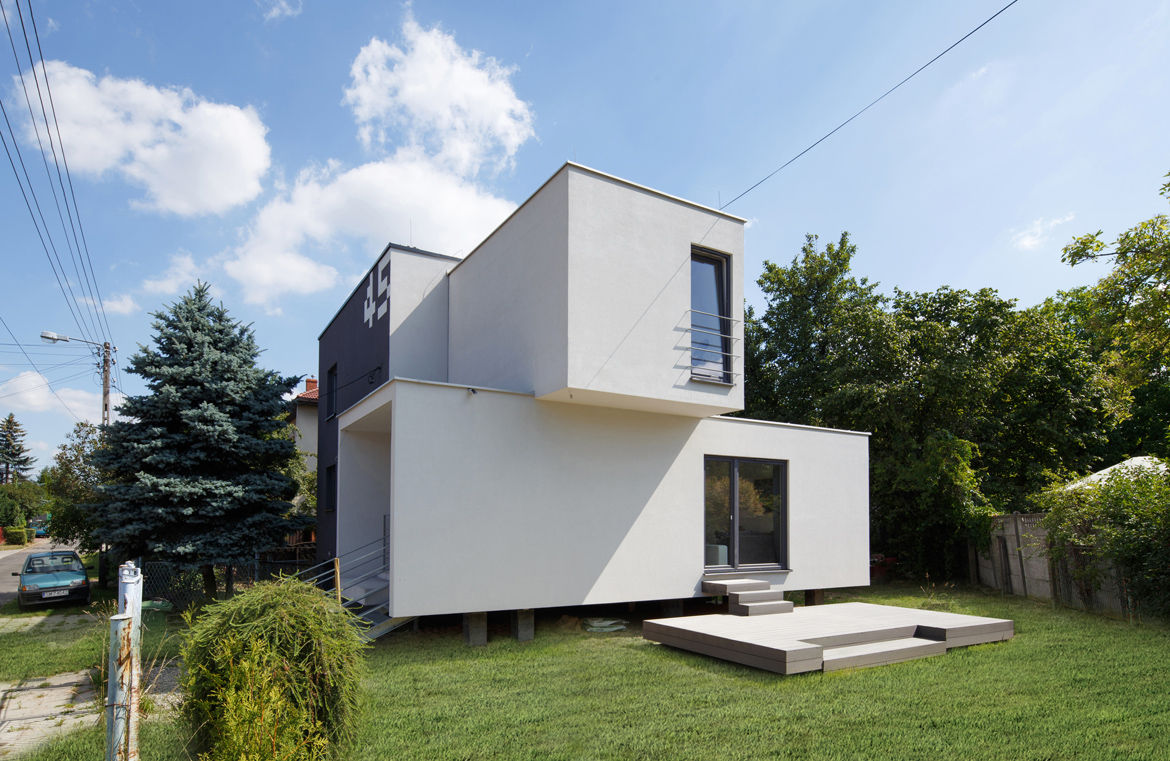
(182, 586)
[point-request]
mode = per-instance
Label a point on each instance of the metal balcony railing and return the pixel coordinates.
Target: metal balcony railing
(712, 346)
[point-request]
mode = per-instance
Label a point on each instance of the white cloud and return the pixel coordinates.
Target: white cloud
(278, 9)
(457, 106)
(1036, 234)
(29, 391)
(124, 304)
(457, 112)
(404, 195)
(190, 155)
(180, 275)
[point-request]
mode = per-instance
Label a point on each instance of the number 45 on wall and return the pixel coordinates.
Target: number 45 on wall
(382, 304)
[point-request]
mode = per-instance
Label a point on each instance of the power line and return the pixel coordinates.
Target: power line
(877, 100)
(69, 300)
(82, 282)
(68, 176)
(34, 366)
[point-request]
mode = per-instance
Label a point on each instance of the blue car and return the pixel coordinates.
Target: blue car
(57, 576)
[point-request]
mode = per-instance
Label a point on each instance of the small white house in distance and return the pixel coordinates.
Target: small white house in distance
(541, 423)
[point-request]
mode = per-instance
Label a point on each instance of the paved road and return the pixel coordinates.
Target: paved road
(11, 561)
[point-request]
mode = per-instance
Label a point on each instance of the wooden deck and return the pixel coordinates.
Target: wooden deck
(826, 637)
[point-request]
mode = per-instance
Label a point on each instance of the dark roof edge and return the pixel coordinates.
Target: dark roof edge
(387, 247)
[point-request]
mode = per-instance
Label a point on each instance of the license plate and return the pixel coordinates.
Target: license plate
(54, 593)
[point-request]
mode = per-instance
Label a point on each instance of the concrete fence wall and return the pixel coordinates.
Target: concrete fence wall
(1016, 562)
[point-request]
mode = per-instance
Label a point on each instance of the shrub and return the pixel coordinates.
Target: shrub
(272, 673)
(1123, 520)
(15, 535)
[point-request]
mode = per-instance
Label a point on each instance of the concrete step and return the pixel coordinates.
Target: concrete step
(734, 585)
(758, 608)
(880, 653)
(758, 595)
(381, 625)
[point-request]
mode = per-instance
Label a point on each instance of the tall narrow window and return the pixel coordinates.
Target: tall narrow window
(331, 392)
(330, 489)
(710, 320)
(746, 512)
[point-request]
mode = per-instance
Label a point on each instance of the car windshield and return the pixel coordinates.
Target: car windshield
(53, 564)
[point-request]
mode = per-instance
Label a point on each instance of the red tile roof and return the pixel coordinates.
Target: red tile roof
(308, 397)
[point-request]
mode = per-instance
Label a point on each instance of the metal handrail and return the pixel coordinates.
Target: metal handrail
(694, 348)
(693, 329)
(720, 316)
(343, 555)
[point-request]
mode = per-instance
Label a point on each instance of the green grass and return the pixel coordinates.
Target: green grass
(1069, 686)
(40, 652)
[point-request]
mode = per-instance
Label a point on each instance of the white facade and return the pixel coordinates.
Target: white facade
(541, 438)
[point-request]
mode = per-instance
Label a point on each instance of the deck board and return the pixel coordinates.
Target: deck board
(795, 642)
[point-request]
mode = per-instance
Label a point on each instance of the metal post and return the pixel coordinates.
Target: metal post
(122, 690)
(337, 578)
(130, 604)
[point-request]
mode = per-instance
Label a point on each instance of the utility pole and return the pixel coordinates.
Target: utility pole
(105, 384)
(50, 337)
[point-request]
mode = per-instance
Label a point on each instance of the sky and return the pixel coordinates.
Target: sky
(273, 148)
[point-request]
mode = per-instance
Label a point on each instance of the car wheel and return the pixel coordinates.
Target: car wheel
(20, 603)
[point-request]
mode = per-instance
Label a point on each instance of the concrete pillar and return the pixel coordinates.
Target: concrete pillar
(524, 625)
(814, 597)
(475, 628)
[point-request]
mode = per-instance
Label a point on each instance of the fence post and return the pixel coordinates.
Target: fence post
(125, 667)
(122, 690)
(1020, 553)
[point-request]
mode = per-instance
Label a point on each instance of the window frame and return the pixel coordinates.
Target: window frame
(331, 392)
(733, 565)
(723, 296)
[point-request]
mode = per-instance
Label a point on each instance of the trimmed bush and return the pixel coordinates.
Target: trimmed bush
(15, 535)
(272, 673)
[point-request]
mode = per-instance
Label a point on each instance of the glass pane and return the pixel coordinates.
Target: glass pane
(707, 343)
(760, 514)
(717, 512)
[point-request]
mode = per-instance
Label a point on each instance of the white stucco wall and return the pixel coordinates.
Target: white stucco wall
(418, 316)
(306, 422)
(501, 501)
(508, 300)
(630, 292)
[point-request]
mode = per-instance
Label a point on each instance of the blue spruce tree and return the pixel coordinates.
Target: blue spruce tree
(195, 467)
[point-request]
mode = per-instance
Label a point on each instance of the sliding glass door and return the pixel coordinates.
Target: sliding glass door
(745, 512)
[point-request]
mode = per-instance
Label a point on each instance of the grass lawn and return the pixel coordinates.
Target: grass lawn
(46, 650)
(1070, 685)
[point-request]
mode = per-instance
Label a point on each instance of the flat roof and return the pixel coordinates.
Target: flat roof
(605, 176)
(387, 247)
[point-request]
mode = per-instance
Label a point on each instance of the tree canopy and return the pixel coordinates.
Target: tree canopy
(974, 404)
(194, 467)
(73, 479)
(15, 461)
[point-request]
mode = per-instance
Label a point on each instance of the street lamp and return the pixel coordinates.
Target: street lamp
(50, 337)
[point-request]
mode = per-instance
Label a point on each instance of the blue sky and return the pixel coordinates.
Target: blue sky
(272, 148)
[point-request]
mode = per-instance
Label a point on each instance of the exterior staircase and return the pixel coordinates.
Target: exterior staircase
(865, 646)
(749, 597)
(360, 580)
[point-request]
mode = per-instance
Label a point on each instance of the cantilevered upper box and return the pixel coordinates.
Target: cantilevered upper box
(599, 291)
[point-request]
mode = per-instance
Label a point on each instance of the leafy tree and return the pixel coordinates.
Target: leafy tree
(305, 502)
(1123, 520)
(1134, 299)
(73, 481)
(23, 500)
(15, 461)
(973, 404)
(195, 467)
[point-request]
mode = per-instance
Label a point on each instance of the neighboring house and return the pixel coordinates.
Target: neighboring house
(303, 414)
(540, 423)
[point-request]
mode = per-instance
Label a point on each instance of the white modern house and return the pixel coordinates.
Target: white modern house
(542, 422)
